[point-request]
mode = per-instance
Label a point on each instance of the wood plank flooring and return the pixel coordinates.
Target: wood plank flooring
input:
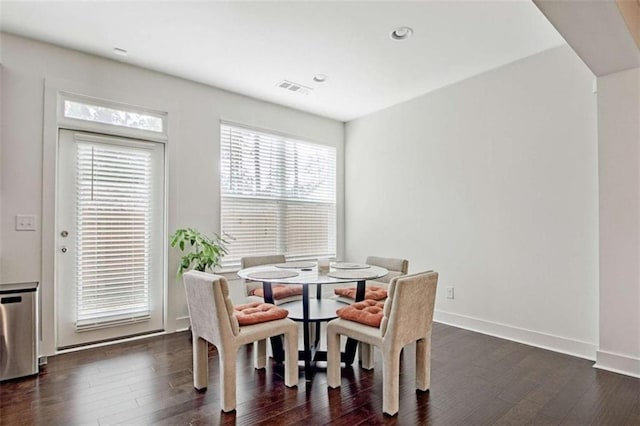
(476, 380)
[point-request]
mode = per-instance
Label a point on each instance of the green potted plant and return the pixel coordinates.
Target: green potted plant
(202, 252)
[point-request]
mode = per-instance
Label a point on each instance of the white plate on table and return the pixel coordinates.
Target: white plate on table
(295, 265)
(350, 265)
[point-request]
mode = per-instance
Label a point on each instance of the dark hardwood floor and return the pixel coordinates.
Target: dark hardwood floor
(476, 380)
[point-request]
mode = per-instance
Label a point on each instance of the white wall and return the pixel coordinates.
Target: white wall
(1, 118)
(619, 166)
(193, 149)
(493, 182)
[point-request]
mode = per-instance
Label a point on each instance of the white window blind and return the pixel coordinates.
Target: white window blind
(113, 229)
(278, 195)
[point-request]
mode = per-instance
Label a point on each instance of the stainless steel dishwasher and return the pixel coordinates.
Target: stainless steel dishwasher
(18, 330)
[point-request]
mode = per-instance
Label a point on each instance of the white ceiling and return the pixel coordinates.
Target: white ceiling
(249, 47)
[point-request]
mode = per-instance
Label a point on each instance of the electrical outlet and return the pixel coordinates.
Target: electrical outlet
(25, 222)
(449, 292)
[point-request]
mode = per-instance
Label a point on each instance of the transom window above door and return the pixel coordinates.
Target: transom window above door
(91, 114)
(278, 195)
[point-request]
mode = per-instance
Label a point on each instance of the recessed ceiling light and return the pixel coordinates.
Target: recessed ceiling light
(401, 33)
(320, 78)
(120, 52)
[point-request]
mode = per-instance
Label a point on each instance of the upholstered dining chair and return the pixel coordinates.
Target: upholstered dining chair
(215, 320)
(282, 293)
(405, 317)
(376, 289)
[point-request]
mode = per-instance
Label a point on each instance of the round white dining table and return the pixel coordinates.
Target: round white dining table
(310, 311)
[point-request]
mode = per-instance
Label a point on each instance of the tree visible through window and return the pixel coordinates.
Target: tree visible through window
(117, 117)
(278, 195)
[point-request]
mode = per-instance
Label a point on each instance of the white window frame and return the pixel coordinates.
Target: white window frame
(234, 265)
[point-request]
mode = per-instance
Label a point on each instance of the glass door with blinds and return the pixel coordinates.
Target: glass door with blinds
(110, 238)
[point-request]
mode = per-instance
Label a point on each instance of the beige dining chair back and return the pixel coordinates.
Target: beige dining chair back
(396, 267)
(250, 286)
(249, 261)
(407, 318)
(213, 321)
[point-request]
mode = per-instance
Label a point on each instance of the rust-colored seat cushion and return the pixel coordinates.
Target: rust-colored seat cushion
(280, 291)
(372, 292)
(368, 312)
(256, 312)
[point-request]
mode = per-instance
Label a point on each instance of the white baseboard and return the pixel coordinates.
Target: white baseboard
(182, 323)
(520, 335)
(618, 363)
(109, 343)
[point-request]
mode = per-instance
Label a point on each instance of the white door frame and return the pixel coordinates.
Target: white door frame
(53, 122)
(66, 280)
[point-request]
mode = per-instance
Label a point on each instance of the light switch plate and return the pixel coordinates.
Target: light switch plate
(25, 222)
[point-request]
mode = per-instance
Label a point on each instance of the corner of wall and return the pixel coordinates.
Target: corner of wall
(619, 193)
(498, 193)
(618, 363)
(1, 168)
(528, 337)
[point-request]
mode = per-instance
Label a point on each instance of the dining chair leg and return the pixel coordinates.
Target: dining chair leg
(228, 378)
(291, 373)
(200, 362)
(391, 382)
(423, 364)
(333, 358)
(366, 354)
(260, 354)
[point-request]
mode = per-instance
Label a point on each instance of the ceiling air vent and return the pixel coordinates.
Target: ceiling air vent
(294, 87)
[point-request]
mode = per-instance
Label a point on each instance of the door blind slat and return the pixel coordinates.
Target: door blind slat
(113, 233)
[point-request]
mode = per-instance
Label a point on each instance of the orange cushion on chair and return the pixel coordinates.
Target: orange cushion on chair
(256, 312)
(367, 312)
(373, 292)
(280, 291)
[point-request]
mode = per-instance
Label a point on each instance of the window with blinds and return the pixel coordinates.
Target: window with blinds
(278, 195)
(113, 231)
